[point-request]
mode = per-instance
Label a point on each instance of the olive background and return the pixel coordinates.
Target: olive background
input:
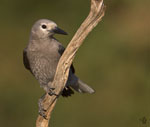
(114, 60)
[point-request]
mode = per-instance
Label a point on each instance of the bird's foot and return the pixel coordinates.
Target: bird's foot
(51, 92)
(42, 111)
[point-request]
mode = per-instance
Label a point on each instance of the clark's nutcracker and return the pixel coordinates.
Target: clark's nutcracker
(42, 54)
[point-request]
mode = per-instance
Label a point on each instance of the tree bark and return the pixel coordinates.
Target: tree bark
(48, 102)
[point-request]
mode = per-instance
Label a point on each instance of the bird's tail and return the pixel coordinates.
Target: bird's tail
(82, 87)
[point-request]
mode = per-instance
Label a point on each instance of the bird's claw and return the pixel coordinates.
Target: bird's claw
(42, 111)
(51, 93)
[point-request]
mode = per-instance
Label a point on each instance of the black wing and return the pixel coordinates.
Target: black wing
(25, 60)
(61, 51)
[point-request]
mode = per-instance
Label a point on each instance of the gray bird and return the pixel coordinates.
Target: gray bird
(42, 54)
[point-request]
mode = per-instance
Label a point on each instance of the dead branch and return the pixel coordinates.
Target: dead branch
(95, 15)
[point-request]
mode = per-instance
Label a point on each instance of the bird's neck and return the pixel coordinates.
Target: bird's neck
(36, 44)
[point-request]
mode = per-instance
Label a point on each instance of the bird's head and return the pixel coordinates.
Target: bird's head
(44, 28)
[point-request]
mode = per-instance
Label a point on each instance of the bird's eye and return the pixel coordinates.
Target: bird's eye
(44, 26)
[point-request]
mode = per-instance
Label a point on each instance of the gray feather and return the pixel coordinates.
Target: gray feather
(42, 56)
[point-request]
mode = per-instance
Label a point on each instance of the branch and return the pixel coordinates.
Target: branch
(62, 71)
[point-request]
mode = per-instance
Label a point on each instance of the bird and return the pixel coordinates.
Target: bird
(42, 54)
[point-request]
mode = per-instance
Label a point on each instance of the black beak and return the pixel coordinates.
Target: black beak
(59, 31)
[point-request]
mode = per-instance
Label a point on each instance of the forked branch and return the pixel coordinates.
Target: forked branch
(96, 13)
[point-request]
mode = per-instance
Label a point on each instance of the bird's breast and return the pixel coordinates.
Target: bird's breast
(43, 65)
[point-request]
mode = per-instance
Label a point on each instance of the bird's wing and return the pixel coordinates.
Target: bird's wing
(25, 59)
(61, 51)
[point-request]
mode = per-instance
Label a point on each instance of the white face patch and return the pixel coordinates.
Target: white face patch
(47, 27)
(43, 27)
(51, 26)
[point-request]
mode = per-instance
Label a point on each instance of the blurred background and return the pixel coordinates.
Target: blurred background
(114, 60)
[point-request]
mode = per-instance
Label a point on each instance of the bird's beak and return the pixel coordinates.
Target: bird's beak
(57, 30)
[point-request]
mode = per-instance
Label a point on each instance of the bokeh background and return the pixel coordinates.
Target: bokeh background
(114, 60)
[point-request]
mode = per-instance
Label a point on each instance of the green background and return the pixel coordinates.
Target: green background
(114, 60)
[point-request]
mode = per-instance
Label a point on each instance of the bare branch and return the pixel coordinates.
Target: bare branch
(61, 76)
